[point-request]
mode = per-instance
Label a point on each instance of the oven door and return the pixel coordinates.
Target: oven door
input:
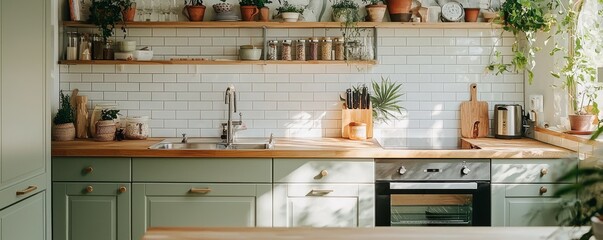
(432, 204)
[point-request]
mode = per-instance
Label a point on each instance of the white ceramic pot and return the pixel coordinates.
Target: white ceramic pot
(597, 226)
(250, 52)
(126, 46)
(290, 16)
(143, 55)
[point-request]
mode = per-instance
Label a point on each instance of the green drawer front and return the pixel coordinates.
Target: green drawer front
(324, 170)
(252, 170)
(531, 170)
(91, 169)
(26, 188)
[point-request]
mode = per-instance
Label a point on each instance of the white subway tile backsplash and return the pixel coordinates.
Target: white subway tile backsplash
(188, 32)
(92, 77)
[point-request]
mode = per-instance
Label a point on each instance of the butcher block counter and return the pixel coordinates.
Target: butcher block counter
(415, 233)
(316, 148)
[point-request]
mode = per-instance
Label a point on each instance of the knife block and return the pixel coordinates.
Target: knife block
(356, 115)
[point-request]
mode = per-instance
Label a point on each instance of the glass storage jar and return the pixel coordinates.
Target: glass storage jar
(300, 50)
(272, 53)
(137, 127)
(326, 48)
(71, 46)
(97, 47)
(286, 50)
(108, 52)
(313, 49)
(339, 49)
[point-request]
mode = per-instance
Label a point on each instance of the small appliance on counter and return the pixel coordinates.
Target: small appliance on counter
(508, 121)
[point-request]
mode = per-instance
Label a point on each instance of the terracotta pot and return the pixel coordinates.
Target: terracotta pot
(471, 14)
(129, 13)
(194, 13)
(396, 7)
(375, 13)
(264, 14)
(105, 131)
(581, 122)
(248, 12)
(63, 132)
(340, 14)
(489, 16)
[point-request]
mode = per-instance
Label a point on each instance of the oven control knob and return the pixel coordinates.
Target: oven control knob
(402, 170)
(465, 170)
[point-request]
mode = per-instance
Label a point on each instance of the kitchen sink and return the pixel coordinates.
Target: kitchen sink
(213, 144)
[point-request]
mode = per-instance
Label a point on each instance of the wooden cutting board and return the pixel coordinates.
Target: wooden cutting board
(474, 116)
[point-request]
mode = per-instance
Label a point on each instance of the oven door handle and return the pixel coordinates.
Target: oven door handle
(430, 186)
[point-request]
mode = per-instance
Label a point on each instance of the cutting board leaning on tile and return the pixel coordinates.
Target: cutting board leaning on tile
(474, 116)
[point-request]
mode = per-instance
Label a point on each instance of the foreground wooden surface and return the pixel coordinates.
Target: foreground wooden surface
(414, 233)
(316, 148)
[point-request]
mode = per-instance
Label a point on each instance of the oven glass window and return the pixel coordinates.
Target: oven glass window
(431, 209)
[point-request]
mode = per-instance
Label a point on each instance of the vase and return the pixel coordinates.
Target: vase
(194, 13)
(63, 132)
(264, 14)
(129, 13)
(581, 123)
(105, 131)
(396, 7)
(375, 13)
(471, 14)
(248, 12)
(290, 16)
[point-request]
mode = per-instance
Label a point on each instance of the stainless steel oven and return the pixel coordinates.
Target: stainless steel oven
(432, 192)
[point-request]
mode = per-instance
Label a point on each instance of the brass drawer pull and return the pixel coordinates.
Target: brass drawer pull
(89, 189)
(320, 191)
(200, 190)
(88, 169)
(324, 173)
(543, 190)
(122, 189)
(27, 190)
(543, 172)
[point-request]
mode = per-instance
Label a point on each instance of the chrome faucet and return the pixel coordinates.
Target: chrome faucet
(230, 98)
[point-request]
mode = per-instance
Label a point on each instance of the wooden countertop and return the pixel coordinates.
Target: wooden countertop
(381, 233)
(315, 148)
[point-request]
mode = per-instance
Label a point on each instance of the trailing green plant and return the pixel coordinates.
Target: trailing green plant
(385, 100)
(262, 3)
(65, 113)
(109, 114)
(105, 14)
(247, 2)
(193, 2)
(372, 2)
(286, 7)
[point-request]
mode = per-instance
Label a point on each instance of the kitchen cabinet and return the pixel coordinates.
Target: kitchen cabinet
(522, 191)
(324, 193)
(91, 198)
(201, 192)
(24, 220)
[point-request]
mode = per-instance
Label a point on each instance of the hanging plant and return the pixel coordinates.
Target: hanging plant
(105, 14)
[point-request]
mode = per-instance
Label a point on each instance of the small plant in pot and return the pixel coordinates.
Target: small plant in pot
(105, 14)
(398, 7)
(345, 11)
(63, 129)
(106, 127)
(128, 10)
(249, 9)
(375, 10)
(290, 13)
(264, 10)
(194, 10)
(584, 104)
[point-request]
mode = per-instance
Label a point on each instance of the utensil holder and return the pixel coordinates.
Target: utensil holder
(356, 115)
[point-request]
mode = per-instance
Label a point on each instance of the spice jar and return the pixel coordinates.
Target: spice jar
(108, 53)
(71, 46)
(357, 131)
(137, 127)
(300, 50)
(272, 50)
(313, 49)
(97, 47)
(339, 49)
(286, 50)
(327, 45)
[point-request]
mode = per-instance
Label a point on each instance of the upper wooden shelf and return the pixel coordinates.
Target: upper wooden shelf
(241, 24)
(210, 62)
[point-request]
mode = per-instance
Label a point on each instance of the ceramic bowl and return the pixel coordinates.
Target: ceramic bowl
(250, 52)
(126, 46)
(290, 16)
(222, 7)
(597, 226)
(143, 55)
(124, 56)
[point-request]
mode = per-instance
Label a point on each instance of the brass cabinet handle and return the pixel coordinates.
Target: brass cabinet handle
(543, 190)
(89, 189)
(122, 189)
(200, 190)
(543, 172)
(324, 173)
(88, 169)
(27, 190)
(320, 191)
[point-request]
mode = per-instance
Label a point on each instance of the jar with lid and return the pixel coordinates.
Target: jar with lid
(357, 131)
(300, 50)
(108, 52)
(97, 47)
(272, 53)
(339, 49)
(137, 128)
(71, 46)
(313, 49)
(326, 48)
(286, 50)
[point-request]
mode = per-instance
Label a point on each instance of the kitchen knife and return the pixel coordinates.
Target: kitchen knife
(368, 100)
(348, 100)
(356, 101)
(363, 98)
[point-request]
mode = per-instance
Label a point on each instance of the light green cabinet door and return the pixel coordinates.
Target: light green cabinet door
(24, 220)
(200, 205)
(91, 211)
(23, 90)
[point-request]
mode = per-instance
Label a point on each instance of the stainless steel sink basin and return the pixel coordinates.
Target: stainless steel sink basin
(213, 144)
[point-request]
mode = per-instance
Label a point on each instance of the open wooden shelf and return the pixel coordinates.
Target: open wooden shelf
(241, 24)
(210, 62)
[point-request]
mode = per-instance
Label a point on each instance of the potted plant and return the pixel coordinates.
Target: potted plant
(128, 10)
(264, 11)
(106, 127)
(385, 100)
(63, 129)
(194, 10)
(105, 14)
(375, 10)
(249, 9)
(222, 7)
(345, 11)
(289, 12)
(397, 7)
